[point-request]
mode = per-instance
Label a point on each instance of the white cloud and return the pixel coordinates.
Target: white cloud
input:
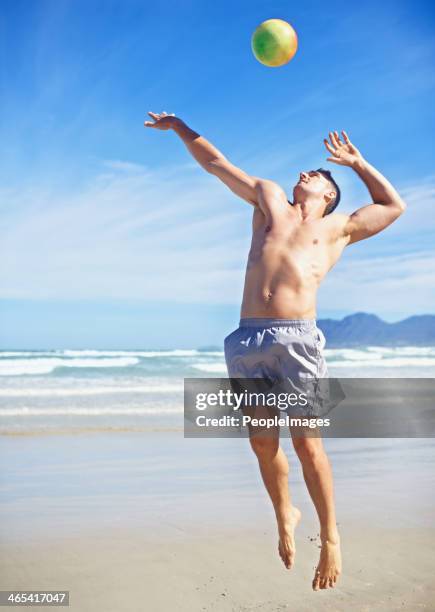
(130, 233)
(117, 164)
(403, 282)
(420, 198)
(178, 234)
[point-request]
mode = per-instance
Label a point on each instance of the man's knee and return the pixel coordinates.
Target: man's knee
(309, 450)
(264, 446)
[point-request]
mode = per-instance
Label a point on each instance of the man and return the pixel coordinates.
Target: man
(293, 247)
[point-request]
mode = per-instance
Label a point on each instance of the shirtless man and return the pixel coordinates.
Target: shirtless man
(293, 247)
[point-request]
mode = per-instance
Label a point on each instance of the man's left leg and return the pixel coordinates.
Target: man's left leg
(318, 478)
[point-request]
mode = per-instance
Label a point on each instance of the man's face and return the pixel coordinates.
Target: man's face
(311, 183)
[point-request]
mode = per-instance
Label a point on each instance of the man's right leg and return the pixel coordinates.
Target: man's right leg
(274, 470)
(318, 477)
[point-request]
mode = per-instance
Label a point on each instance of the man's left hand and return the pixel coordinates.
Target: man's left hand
(343, 153)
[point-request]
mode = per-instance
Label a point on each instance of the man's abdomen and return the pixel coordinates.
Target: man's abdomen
(279, 301)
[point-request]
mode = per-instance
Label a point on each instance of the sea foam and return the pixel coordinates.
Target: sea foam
(17, 367)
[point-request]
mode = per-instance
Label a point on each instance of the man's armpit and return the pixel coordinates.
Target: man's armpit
(338, 226)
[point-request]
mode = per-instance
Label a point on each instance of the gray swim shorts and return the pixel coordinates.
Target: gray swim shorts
(286, 353)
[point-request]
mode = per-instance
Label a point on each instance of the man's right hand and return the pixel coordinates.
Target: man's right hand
(162, 121)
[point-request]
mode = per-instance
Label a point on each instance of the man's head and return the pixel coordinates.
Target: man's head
(317, 185)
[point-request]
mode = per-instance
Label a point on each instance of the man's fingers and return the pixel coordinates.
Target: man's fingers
(337, 136)
(328, 146)
(149, 124)
(154, 115)
(334, 139)
(346, 137)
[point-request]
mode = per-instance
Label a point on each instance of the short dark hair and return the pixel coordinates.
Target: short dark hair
(328, 175)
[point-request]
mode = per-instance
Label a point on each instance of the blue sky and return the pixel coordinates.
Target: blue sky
(111, 235)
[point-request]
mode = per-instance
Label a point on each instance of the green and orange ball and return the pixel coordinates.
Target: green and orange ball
(274, 42)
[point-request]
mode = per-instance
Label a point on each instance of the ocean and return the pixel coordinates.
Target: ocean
(142, 390)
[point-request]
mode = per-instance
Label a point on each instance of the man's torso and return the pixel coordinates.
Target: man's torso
(287, 262)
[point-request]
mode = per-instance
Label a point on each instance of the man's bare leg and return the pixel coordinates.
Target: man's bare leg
(274, 470)
(318, 478)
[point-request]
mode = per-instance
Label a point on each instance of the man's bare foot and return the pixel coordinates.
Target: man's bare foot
(329, 566)
(286, 530)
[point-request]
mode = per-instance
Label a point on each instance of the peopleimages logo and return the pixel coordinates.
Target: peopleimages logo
(267, 422)
(228, 398)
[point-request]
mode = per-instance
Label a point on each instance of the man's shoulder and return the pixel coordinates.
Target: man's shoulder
(269, 186)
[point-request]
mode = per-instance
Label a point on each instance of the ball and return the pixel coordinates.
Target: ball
(274, 42)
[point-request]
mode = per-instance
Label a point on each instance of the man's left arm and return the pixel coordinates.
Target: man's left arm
(387, 204)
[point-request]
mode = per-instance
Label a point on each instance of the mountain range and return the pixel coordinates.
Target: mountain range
(362, 328)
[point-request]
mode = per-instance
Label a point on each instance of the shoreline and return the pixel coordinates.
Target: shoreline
(89, 430)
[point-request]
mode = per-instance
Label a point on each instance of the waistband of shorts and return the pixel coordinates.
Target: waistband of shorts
(266, 322)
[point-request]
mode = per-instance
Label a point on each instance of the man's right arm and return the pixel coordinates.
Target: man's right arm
(214, 162)
(258, 192)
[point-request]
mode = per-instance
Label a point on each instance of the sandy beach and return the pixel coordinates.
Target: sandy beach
(388, 569)
(133, 521)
